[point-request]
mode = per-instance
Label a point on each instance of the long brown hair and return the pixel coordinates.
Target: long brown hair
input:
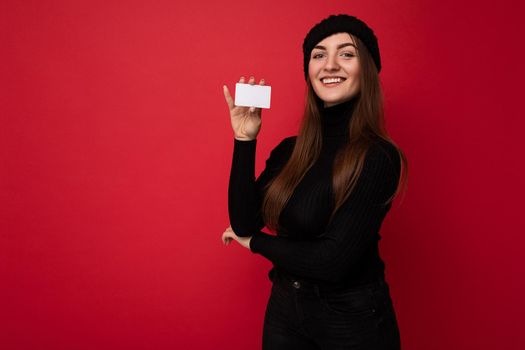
(366, 125)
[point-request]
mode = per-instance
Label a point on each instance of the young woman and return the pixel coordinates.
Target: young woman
(325, 193)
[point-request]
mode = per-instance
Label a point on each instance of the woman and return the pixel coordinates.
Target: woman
(325, 192)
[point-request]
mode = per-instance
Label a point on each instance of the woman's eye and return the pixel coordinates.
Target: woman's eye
(346, 54)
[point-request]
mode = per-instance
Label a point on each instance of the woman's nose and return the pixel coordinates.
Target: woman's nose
(331, 63)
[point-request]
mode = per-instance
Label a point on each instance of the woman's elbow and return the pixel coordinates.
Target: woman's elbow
(242, 229)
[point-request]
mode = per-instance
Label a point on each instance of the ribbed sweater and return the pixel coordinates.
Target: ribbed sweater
(344, 252)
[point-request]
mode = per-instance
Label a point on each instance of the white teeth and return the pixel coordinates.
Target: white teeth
(332, 80)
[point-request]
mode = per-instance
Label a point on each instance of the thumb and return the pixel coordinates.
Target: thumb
(228, 97)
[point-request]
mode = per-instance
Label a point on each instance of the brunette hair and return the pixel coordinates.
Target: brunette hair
(366, 125)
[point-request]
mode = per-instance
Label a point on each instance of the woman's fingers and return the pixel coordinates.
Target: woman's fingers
(258, 110)
(261, 82)
(228, 97)
(225, 238)
(228, 235)
(252, 82)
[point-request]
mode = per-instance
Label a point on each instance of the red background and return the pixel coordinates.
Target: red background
(115, 148)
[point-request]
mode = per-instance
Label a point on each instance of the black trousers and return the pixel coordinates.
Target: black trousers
(301, 315)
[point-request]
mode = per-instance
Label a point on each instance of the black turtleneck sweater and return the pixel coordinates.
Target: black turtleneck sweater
(343, 253)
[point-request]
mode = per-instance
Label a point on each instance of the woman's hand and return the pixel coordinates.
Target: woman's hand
(229, 235)
(246, 121)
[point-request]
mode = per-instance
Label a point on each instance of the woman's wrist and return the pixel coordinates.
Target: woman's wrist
(243, 138)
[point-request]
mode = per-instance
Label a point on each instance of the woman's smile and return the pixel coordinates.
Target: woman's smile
(332, 82)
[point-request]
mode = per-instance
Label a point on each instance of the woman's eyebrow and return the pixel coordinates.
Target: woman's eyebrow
(338, 47)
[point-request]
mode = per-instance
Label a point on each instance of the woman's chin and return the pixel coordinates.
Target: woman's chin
(333, 101)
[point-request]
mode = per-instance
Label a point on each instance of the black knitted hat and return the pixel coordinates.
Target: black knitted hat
(341, 24)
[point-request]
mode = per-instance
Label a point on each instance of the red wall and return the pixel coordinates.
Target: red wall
(115, 148)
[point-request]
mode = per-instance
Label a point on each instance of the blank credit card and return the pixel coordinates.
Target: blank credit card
(248, 95)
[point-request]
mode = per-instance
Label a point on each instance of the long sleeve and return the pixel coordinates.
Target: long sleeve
(329, 256)
(244, 191)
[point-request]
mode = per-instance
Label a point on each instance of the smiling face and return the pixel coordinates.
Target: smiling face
(336, 57)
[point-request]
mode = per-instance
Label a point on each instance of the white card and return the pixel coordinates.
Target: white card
(252, 95)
